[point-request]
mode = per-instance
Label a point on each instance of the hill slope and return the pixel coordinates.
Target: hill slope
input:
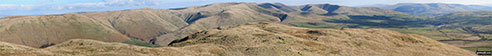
(471, 29)
(435, 8)
(36, 31)
(161, 26)
(263, 39)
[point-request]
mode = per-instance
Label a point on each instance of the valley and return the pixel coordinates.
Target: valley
(463, 29)
(260, 39)
(254, 29)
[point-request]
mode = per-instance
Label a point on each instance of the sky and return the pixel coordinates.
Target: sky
(43, 7)
(290, 2)
(47, 1)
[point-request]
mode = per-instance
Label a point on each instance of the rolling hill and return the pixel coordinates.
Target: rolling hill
(469, 30)
(261, 39)
(469, 25)
(434, 8)
(161, 26)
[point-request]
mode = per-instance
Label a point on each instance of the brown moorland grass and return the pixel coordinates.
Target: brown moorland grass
(161, 26)
(261, 39)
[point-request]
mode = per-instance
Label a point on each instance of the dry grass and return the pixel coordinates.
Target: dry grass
(159, 25)
(346, 42)
(261, 39)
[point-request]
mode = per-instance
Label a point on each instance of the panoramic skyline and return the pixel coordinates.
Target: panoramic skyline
(245, 27)
(43, 7)
(290, 2)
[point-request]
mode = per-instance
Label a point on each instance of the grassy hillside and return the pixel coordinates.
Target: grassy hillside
(261, 39)
(161, 26)
(257, 38)
(462, 29)
(369, 21)
(435, 8)
(36, 31)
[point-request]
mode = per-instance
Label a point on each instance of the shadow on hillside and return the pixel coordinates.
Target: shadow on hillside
(378, 21)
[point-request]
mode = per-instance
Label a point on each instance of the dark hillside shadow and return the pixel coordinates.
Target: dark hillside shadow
(378, 21)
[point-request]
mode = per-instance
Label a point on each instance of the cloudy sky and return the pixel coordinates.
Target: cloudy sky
(42, 7)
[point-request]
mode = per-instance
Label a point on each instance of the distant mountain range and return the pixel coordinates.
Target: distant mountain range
(160, 26)
(36, 10)
(433, 8)
(105, 5)
(228, 26)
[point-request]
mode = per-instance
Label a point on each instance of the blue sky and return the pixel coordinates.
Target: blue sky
(47, 1)
(43, 7)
